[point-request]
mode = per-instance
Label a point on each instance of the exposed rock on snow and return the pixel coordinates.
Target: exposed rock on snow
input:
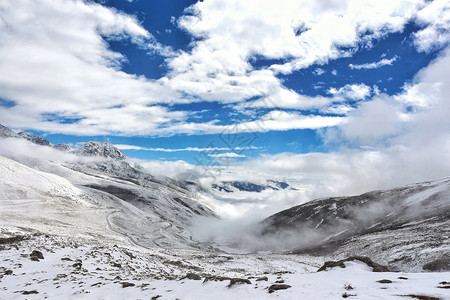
(341, 263)
(438, 265)
(234, 281)
(277, 287)
(36, 255)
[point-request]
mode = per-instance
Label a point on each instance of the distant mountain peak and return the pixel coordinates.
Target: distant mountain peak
(63, 147)
(5, 132)
(247, 186)
(100, 149)
(34, 139)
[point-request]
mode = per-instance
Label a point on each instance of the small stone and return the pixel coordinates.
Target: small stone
(234, 281)
(96, 284)
(345, 295)
(264, 278)
(193, 276)
(29, 292)
(8, 272)
(66, 259)
(384, 281)
(276, 287)
(37, 254)
(127, 284)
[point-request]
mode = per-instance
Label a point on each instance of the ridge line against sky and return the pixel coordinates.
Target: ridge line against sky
(302, 77)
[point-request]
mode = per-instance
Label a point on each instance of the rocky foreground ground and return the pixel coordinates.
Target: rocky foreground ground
(39, 266)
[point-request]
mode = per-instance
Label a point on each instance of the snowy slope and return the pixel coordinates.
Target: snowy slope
(94, 202)
(405, 227)
(5, 132)
(71, 269)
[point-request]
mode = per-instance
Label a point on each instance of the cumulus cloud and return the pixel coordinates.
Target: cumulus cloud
(373, 122)
(435, 18)
(73, 75)
(351, 91)
(389, 141)
(230, 34)
(287, 98)
(55, 65)
(63, 77)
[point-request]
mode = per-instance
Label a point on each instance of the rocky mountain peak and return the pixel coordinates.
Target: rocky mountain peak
(5, 132)
(34, 139)
(63, 147)
(100, 149)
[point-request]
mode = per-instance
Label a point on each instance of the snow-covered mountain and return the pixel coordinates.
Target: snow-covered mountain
(96, 191)
(5, 132)
(247, 186)
(35, 139)
(100, 149)
(63, 147)
(405, 227)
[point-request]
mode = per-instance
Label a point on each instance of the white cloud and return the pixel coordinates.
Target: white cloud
(319, 71)
(194, 149)
(168, 168)
(226, 155)
(288, 98)
(50, 66)
(373, 122)
(372, 154)
(374, 65)
(339, 109)
(351, 91)
(436, 19)
(274, 120)
(229, 34)
(55, 69)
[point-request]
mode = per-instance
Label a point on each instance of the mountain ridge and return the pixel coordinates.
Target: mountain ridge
(416, 214)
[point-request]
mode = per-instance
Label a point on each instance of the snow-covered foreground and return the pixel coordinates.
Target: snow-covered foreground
(78, 270)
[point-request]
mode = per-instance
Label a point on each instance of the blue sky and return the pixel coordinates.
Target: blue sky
(201, 82)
